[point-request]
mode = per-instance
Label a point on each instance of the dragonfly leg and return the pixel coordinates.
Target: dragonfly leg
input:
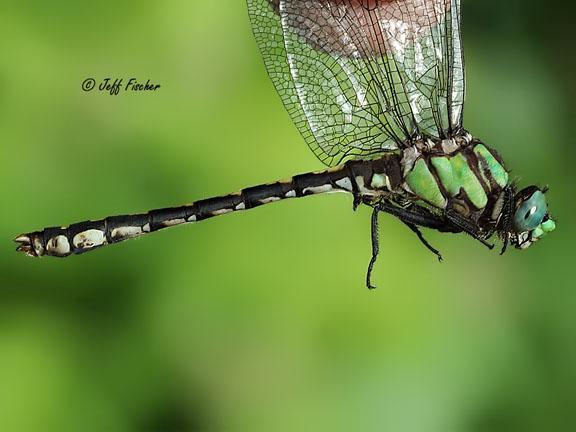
(418, 216)
(413, 217)
(375, 246)
(467, 227)
(417, 231)
(507, 212)
(357, 201)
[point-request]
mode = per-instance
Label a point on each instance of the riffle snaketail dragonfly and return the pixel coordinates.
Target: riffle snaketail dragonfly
(376, 87)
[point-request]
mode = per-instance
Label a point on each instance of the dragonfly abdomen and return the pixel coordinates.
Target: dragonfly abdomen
(361, 178)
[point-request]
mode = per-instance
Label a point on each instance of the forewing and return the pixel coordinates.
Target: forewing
(359, 77)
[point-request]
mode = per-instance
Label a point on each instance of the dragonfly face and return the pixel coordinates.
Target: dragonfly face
(531, 220)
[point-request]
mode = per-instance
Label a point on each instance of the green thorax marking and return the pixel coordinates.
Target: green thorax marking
(423, 184)
(455, 174)
(378, 181)
(488, 162)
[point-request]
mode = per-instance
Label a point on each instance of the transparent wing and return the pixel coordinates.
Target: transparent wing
(360, 77)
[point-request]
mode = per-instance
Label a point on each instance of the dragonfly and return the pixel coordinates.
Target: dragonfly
(377, 90)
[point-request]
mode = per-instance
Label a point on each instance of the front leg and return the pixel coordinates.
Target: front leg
(417, 215)
(417, 231)
(468, 227)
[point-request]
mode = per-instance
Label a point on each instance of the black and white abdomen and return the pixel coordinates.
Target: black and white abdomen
(368, 178)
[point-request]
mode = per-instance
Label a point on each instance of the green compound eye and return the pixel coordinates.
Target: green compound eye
(530, 213)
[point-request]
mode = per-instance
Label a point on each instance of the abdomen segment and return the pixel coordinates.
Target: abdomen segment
(368, 177)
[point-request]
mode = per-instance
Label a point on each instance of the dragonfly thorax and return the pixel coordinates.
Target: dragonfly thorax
(460, 173)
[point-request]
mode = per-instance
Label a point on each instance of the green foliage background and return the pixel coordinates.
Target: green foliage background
(260, 321)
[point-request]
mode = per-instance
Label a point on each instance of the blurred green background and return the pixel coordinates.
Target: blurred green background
(260, 321)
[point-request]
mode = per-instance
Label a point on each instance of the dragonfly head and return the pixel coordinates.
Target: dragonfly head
(530, 220)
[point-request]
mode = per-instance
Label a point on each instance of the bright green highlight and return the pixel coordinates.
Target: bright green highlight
(537, 232)
(378, 181)
(455, 174)
(423, 184)
(543, 229)
(496, 169)
(548, 226)
(444, 169)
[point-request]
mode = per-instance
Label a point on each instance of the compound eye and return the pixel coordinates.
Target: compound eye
(530, 213)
